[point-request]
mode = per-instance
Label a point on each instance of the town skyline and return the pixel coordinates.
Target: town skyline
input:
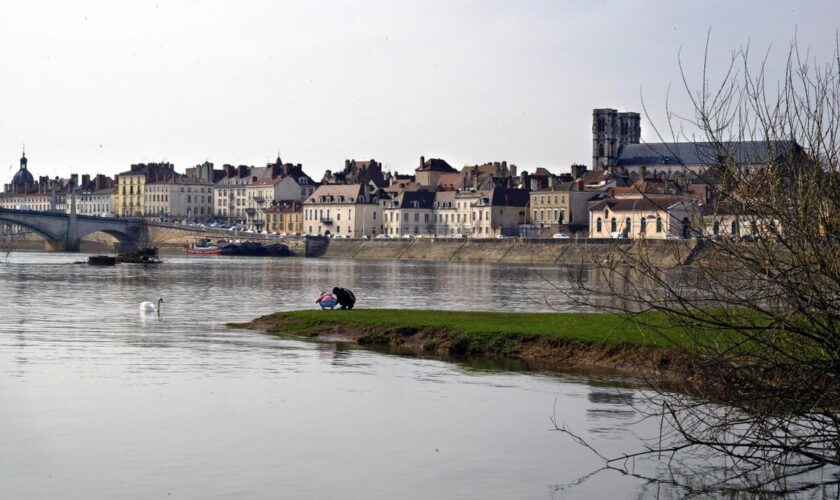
(100, 87)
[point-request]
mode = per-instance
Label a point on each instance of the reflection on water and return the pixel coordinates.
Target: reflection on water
(101, 400)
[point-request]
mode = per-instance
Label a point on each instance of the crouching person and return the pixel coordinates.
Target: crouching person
(345, 297)
(326, 300)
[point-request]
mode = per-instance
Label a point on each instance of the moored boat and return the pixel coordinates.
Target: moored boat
(238, 248)
(101, 260)
(203, 247)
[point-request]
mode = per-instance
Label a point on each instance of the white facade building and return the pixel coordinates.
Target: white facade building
(340, 210)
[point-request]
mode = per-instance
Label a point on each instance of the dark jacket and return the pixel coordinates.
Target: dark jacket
(345, 297)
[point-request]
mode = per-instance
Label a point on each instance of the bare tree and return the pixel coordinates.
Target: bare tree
(759, 309)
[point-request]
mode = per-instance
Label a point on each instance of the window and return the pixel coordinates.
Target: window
(562, 216)
(735, 231)
(643, 225)
(556, 215)
(658, 224)
(628, 226)
(716, 228)
(535, 215)
(613, 225)
(416, 217)
(598, 225)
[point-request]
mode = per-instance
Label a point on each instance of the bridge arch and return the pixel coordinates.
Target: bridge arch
(34, 227)
(122, 236)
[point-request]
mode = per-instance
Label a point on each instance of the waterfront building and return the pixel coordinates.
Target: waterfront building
(131, 186)
(285, 217)
(44, 202)
(492, 213)
(97, 202)
(243, 193)
(551, 209)
(343, 210)
(634, 218)
(177, 197)
(411, 213)
(445, 213)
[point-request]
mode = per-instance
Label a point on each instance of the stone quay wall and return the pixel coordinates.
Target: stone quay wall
(509, 251)
(171, 238)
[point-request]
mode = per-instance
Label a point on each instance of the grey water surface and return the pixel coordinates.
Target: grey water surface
(98, 400)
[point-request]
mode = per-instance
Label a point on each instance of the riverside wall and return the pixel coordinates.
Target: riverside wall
(171, 238)
(513, 251)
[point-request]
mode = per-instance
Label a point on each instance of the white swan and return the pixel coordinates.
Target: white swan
(150, 306)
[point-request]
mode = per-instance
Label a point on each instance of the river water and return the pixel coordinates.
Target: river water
(100, 401)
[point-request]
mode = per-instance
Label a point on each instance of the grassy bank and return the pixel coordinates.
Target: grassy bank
(476, 328)
(565, 340)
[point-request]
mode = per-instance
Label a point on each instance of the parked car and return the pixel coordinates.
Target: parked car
(406, 236)
(501, 237)
(457, 236)
(559, 236)
(382, 237)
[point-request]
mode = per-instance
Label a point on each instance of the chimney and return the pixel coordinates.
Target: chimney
(422, 162)
(580, 185)
(346, 165)
(550, 181)
(230, 170)
(276, 169)
(242, 170)
(512, 169)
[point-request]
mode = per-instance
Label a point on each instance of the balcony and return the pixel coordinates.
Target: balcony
(326, 220)
(259, 199)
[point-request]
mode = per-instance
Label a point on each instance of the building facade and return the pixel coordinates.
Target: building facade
(410, 214)
(285, 218)
(342, 210)
(662, 218)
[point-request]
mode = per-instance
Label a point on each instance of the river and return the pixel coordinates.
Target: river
(101, 401)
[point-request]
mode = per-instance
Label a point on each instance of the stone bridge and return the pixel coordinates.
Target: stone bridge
(63, 232)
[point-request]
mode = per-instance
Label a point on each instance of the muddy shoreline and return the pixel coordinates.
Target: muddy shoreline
(653, 365)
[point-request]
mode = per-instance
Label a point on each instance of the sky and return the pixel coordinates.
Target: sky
(92, 87)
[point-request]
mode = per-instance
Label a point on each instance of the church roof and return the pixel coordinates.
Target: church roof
(702, 153)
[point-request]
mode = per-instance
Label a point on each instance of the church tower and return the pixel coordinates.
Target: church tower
(605, 137)
(610, 131)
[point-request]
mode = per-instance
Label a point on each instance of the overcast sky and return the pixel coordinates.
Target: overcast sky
(92, 87)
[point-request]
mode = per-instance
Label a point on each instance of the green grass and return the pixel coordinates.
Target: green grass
(494, 331)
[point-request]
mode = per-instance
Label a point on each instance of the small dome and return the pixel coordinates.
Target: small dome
(23, 177)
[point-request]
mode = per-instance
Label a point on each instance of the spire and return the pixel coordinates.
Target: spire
(23, 160)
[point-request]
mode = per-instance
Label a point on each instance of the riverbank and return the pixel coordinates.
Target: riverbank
(561, 341)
